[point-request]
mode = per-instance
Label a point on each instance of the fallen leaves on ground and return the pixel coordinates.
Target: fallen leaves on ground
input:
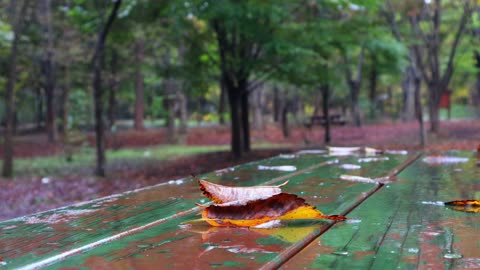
(471, 206)
(253, 206)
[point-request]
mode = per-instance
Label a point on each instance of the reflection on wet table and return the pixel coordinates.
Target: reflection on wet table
(394, 201)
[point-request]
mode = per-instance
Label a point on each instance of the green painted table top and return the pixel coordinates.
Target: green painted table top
(144, 229)
(404, 225)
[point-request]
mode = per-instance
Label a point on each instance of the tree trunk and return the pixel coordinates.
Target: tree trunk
(354, 85)
(183, 108)
(317, 100)
(181, 100)
(434, 107)
(221, 105)
(169, 102)
(7, 170)
(284, 120)
(373, 88)
(39, 107)
(325, 89)
(276, 104)
(98, 92)
(112, 90)
(476, 90)
(49, 73)
(355, 108)
(65, 96)
(139, 102)
(245, 119)
(234, 98)
(419, 110)
(409, 88)
(257, 109)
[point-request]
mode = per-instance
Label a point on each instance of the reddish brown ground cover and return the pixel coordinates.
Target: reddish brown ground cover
(28, 195)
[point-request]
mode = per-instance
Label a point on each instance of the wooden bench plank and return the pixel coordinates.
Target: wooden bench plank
(170, 245)
(402, 226)
(37, 237)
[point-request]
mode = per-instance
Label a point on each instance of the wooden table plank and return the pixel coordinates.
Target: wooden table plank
(402, 226)
(171, 245)
(37, 237)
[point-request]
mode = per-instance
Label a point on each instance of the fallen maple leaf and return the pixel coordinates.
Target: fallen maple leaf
(252, 206)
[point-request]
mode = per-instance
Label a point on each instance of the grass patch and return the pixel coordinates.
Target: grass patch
(83, 161)
(459, 111)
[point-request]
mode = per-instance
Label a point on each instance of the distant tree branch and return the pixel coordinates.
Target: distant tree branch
(467, 11)
(103, 34)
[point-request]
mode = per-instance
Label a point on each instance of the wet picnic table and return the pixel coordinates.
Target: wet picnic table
(393, 201)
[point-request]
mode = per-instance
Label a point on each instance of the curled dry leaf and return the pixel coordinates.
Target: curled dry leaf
(223, 194)
(471, 206)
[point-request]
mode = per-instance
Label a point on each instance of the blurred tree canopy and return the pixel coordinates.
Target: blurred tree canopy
(179, 62)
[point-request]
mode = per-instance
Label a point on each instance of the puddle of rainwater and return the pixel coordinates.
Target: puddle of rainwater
(341, 253)
(285, 168)
(350, 166)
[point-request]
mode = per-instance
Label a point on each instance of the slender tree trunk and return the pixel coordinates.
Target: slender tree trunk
(222, 101)
(284, 121)
(316, 104)
(373, 87)
(98, 92)
(39, 107)
(419, 111)
(354, 91)
(325, 89)
(434, 107)
(354, 85)
(112, 100)
(245, 119)
(183, 108)
(408, 88)
(257, 103)
(7, 170)
(234, 98)
(139, 99)
(49, 72)
(284, 106)
(181, 99)
(476, 91)
(169, 102)
(276, 104)
(65, 96)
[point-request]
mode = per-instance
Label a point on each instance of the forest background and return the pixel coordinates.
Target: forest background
(98, 96)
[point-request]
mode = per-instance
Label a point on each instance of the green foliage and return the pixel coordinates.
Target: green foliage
(81, 108)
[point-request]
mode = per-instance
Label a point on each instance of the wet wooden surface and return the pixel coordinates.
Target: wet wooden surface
(404, 224)
(143, 229)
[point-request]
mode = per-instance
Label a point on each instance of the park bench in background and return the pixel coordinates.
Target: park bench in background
(391, 199)
(320, 120)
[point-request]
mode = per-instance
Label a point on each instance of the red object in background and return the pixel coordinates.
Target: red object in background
(445, 100)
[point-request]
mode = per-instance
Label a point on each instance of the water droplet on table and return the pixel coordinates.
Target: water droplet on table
(452, 256)
(413, 250)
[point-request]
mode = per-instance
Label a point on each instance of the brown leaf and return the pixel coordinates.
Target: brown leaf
(223, 194)
(281, 206)
(470, 206)
(473, 203)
